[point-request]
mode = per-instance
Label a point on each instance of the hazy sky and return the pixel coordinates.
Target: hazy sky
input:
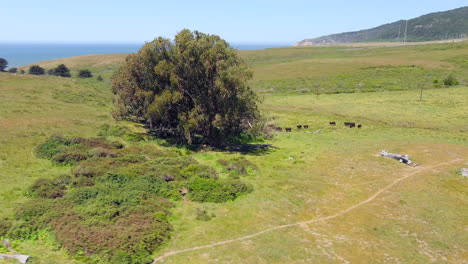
(241, 21)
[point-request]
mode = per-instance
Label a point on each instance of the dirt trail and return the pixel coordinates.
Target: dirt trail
(406, 175)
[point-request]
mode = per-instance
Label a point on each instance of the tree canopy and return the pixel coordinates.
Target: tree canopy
(194, 88)
(61, 70)
(85, 73)
(3, 64)
(36, 70)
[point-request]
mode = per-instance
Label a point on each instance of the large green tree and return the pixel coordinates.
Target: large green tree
(194, 88)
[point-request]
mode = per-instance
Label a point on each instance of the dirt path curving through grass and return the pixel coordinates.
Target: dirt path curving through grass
(406, 175)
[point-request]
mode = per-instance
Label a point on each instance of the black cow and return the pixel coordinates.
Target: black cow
(288, 129)
(299, 126)
(332, 123)
(279, 129)
(306, 126)
(359, 126)
(351, 125)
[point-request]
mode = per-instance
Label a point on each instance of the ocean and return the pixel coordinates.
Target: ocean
(20, 54)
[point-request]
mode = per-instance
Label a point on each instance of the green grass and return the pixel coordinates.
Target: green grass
(306, 175)
(328, 69)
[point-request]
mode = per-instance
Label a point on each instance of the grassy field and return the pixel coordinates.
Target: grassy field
(329, 69)
(309, 174)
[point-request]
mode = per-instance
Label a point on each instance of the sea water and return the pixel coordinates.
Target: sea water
(20, 54)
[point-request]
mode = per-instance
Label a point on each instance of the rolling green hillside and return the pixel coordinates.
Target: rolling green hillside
(321, 195)
(327, 70)
(452, 24)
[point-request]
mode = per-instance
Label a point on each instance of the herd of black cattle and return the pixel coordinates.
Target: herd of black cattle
(289, 129)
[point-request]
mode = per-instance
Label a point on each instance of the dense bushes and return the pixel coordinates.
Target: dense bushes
(116, 204)
(450, 80)
(212, 191)
(71, 151)
(36, 70)
(61, 70)
(84, 73)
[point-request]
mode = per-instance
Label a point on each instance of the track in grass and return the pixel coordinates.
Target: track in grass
(407, 175)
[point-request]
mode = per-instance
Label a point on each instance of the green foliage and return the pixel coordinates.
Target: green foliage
(85, 73)
(115, 206)
(61, 70)
(36, 70)
(167, 85)
(71, 151)
(49, 188)
(51, 147)
(436, 83)
(3, 64)
(99, 78)
(451, 81)
(13, 70)
(212, 191)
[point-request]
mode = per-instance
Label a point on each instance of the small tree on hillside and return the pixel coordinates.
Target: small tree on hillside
(85, 73)
(451, 80)
(61, 70)
(195, 89)
(12, 70)
(3, 64)
(36, 70)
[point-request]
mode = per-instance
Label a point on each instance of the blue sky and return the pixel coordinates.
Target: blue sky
(241, 21)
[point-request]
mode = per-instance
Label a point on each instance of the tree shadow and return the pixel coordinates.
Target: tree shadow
(242, 147)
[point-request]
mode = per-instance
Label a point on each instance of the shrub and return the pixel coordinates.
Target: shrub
(102, 152)
(12, 70)
(85, 73)
(209, 190)
(49, 188)
(450, 81)
(61, 70)
(99, 78)
(72, 154)
(198, 170)
(51, 147)
(36, 70)
(115, 206)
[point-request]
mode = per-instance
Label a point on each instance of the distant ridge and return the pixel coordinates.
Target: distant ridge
(452, 24)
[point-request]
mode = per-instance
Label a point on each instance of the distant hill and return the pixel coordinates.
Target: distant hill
(452, 24)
